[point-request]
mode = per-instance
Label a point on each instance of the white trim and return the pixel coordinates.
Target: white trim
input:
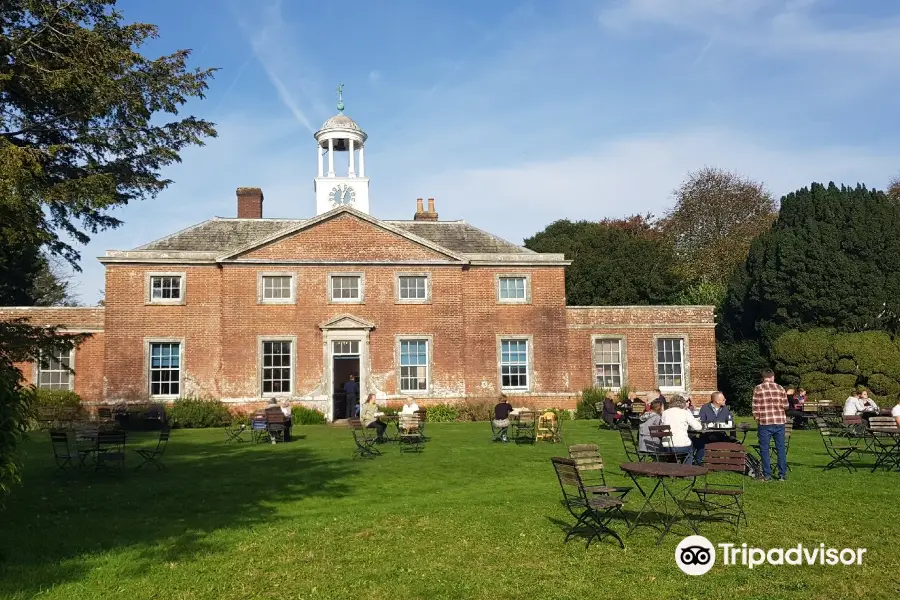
(149, 276)
(623, 357)
(685, 368)
(526, 276)
(260, 287)
(262, 339)
(362, 287)
(181, 354)
(529, 360)
(36, 373)
(399, 300)
(429, 352)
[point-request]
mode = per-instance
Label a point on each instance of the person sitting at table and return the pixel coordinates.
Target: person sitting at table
(895, 412)
(795, 406)
(651, 418)
(501, 416)
(714, 411)
(679, 420)
(661, 398)
(869, 405)
(852, 405)
(369, 420)
(286, 409)
(610, 414)
(410, 408)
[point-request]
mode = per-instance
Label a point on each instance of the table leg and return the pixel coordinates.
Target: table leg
(647, 502)
(679, 504)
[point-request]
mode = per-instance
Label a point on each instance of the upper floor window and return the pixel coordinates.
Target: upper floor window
(53, 370)
(166, 288)
(513, 289)
(608, 363)
(670, 363)
(346, 288)
(412, 288)
(276, 288)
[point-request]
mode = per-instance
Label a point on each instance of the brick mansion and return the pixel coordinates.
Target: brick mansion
(247, 308)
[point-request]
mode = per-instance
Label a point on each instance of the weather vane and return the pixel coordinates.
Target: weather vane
(340, 91)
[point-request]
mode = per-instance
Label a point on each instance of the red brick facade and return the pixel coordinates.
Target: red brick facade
(220, 319)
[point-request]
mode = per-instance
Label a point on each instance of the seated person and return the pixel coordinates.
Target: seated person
(286, 409)
(680, 420)
(410, 408)
(714, 411)
(368, 418)
(651, 418)
(627, 403)
(895, 412)
(501, 416)
(795, 406)
(661, 398)
(610, 414)
(869, 405)
(852, 405)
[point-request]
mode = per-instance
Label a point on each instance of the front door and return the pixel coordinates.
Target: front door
(345, 356)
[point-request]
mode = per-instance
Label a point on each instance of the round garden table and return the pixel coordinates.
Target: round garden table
(664, 473)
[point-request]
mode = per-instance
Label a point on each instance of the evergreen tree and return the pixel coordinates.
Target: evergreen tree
(614, 262)
(832, 259)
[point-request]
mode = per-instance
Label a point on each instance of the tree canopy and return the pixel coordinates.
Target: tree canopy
(830, 260)
(82, 127)
(716, 216)
(614, 262)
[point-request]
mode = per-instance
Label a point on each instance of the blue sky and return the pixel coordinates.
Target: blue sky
(515, 114)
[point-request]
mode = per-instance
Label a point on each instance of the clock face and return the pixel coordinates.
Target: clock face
(342, 195)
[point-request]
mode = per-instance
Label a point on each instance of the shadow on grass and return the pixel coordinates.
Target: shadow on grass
(58, 526)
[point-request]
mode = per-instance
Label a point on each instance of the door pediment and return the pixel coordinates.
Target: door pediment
(346, 321)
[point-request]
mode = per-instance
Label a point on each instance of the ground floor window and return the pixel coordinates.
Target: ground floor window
(53, 370)
(413, 365)
(165, 369)
(514, 364)
(277, 367)
(608, 363)
(670, 363)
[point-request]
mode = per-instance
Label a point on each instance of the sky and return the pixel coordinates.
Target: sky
(515, 114)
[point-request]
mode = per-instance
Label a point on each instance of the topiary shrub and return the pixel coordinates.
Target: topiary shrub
(194, 413)
(301, 415)
(442, 413)
(882, 385)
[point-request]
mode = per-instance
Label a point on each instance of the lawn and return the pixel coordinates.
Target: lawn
(464, 519)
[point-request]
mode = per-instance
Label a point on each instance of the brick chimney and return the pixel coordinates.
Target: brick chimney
(422, 215)
(249, 203)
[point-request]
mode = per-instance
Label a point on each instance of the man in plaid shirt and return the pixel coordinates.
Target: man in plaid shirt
(769, 403)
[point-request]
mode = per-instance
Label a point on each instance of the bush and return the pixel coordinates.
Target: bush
(586, 407)
(389, 410)
(193, 413)
(442, 413)
(55, 399)
(476, 409)
(302, 415)
(561, 413)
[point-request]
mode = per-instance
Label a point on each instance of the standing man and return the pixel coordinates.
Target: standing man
(769, 403)
(351, 390)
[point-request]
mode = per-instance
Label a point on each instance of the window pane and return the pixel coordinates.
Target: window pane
(512, 288)
(345, 288)
(413, 365)
(277, 368)
(165, 368)
(53, 371)
(608, 363)
(669, 362)
(165, 288)
(514, 363)
(413, 287)
(277, 287)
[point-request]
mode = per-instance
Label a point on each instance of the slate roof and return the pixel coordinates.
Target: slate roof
(221, 235)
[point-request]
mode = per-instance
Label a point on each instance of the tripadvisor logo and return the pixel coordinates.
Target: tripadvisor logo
(696, 555)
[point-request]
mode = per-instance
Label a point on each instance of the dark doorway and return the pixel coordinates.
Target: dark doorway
(344, 367)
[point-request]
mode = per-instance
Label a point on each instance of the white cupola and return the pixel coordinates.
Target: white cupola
(340, 133)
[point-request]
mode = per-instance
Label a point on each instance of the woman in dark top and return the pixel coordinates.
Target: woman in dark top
(795, 409)
(610, 414)
(501, 416)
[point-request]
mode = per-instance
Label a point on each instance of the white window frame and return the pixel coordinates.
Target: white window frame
(684, 362)
(529, 362)
(148, 286)
(261, 287)
(148, 345)
(501, 276)
(429, 354)
(293, 368)
(400, 300)
(623, 358)
(38, 370)
(362, 288)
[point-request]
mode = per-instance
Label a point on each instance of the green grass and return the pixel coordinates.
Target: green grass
(464, 519)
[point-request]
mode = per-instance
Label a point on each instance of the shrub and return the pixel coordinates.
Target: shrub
(442, 413)
(389, 410)
(193, 413)
(561, 413)
(586, 407)
(302, 415)
(55, 399)
(476, 409)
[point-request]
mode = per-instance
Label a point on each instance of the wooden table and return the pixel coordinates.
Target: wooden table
(663, 473)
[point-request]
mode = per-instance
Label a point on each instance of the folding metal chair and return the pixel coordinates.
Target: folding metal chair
(154, 455)
(63, 453)
(839, 454)
(365, 444)
(723, 496)
(590, 467)
(593, 512)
